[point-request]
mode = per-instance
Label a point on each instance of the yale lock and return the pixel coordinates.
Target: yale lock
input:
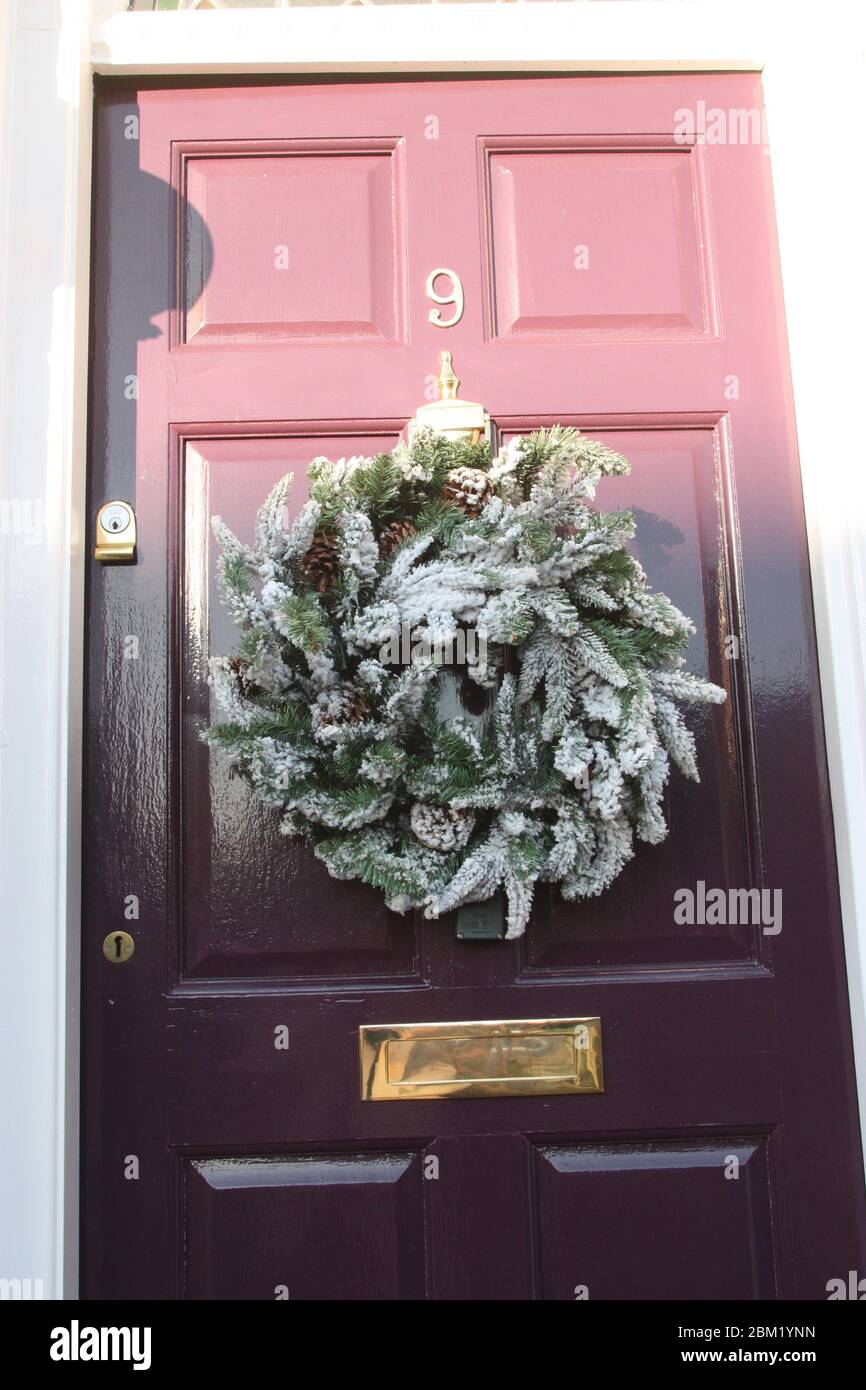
(115, 532)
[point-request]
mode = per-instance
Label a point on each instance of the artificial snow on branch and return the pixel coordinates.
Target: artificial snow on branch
(337, 700)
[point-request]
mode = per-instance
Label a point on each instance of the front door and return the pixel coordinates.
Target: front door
(262, 295)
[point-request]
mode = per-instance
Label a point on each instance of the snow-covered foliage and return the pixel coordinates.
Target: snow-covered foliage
(583, 665)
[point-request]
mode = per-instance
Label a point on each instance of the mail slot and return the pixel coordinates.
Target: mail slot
(501, 1057)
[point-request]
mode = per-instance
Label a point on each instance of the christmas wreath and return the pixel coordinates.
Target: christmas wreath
(348, 711)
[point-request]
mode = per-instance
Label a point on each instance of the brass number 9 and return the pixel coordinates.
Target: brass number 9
(455, 297)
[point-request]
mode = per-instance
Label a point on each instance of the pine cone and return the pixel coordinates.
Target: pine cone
(357, 707)
(347, 705)
(248, 688)
(322, 561)
(470, 489)
(393, 535)
(441, 827)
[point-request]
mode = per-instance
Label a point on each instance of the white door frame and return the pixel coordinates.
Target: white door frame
(50, 51)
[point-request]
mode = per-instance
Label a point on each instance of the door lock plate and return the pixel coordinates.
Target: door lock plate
(115, 532)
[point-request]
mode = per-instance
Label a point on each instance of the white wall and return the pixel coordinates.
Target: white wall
(821, 211)
(42, 411)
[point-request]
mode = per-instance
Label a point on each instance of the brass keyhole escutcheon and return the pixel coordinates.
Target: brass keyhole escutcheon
(118, 946)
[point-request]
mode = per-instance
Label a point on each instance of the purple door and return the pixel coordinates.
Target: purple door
(262, 255)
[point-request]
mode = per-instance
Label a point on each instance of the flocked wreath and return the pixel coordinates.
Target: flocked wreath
(347, 697)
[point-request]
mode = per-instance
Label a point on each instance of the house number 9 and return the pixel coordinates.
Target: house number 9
(455, 297)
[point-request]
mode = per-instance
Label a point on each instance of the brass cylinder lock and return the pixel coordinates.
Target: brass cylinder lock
(118, 946)
(115, 532)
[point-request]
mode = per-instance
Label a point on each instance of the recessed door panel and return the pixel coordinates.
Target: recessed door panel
(305, 1227)
(601, 238)
(250, 902)
(697, 1213)
(291, 240)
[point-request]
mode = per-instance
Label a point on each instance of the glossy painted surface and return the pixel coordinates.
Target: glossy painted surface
(224, 1054)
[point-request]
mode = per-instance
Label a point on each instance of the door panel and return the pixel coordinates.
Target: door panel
(677, 490)
(300, 204)
(625, 211)
(226, 840)
(677, 1205)
(261, 254)
(346, 1226)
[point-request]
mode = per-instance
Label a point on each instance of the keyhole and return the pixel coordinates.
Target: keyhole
(114, 524)
(118, 947)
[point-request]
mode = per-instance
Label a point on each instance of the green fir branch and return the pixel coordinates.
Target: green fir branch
(235, 572)
(303, 623)
(633, 648)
